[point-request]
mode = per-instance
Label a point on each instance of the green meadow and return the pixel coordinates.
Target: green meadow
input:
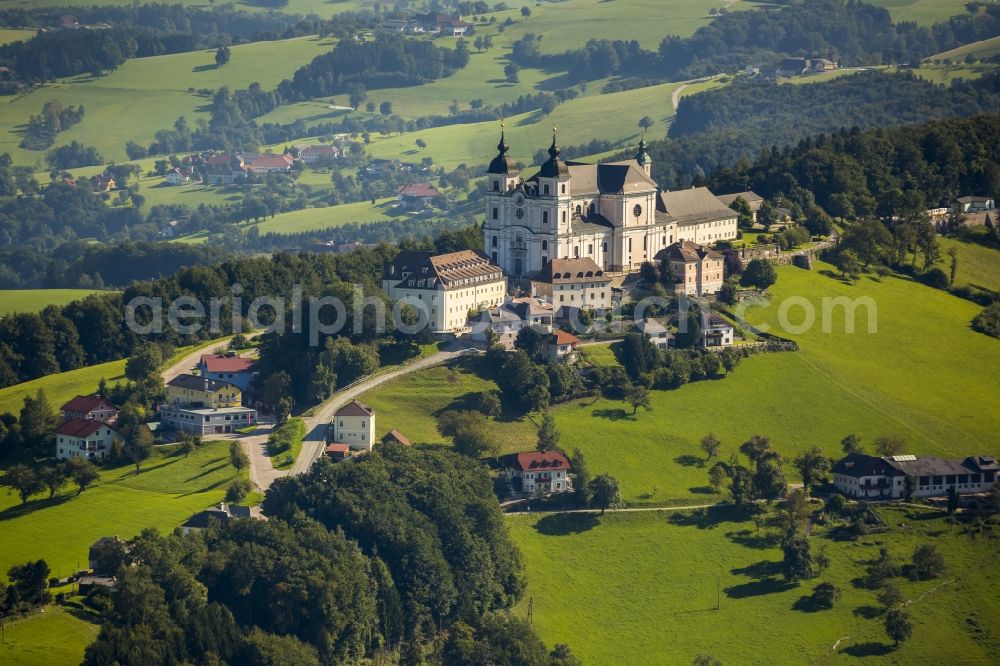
(663, 587)
(10, 35)
(983, 49)
(168, 491)
(54, 636)
(35, 300)
(62, 386)
(923, 12)
(923, 375)
(978, 265)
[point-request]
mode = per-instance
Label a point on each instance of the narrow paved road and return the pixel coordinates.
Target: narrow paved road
(637, 509)
(675, 99)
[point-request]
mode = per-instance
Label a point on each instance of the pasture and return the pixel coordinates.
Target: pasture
(978, 265)
(662, 587)
(36, 300)
(922, 12)
(53, 636)
(62, 386)
(981, 50)
(168, 491)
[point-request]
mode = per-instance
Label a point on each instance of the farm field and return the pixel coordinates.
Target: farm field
(10, 35)
(56, 636)
(145, 95)
(837, 384)
(311, 219)
(168, 490)
(923, 12)
(978, 266)
(621, 575)
(983, 49)
(61, 387)
(35, 300)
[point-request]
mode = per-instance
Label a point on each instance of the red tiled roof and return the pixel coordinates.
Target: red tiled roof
(272, 161)
(86, 403)
(218, 160)
(532, 461)
(216, 363)
(81, 427)
(337, 447)
(561, 337)
(418, 190)
(355, 408)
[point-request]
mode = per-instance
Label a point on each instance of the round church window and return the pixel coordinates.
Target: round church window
(637, 211)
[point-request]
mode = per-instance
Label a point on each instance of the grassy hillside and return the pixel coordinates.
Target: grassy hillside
(983, 49)
(923, 375)
(61, 387)
(35, 300)
(8, 35)
(978, 266)
(167, 492)
(923, 12)
(643, 588)
(56, 636)
(148, 94)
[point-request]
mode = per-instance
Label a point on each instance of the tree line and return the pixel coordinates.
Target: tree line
(356, 561)
(54, 118)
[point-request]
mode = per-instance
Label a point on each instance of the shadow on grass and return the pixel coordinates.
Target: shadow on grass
(561, 524)
(760, 570)
(206, 472)
(755, 540)
(204, 68)
(867, 612)
(704, 518)
(19, 510)
(758, 588)
(870, 649)
(613, 414)
(703, 490)
(807, 604)
(690, 461)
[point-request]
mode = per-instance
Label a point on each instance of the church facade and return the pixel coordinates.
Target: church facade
(612, 213)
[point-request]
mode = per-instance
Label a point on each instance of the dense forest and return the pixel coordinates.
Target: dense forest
(147, 30)
(845, 31)
(719, 128)
(401, 555)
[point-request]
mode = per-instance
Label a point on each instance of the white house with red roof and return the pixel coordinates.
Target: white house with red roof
(538, 471)
(90, 407)
(319, 153)
(561, 347)
(85, 438)
(270, 163)
(236, 370)
(178, 177)
(354, 425)
(417, 195)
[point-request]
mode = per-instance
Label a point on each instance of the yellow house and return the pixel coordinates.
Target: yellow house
(195, 391)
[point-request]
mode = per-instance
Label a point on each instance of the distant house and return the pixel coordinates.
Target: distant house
(445, 24)
(205, 406)
(573, 284)
(870, 477)
(234, 369)
(90, 407)
(754, 200)
(508, 319)
(270, 163)
(169, 229)
(321, 153)
(417, 195)
(655, 331)
(224, 169)
(178, 177)
(102, 182)
(972, 204)
(798, 66)
(220, 514)
(85, 584)
(718, 331)
(395, 436)
(537, 472)
(698, 270)
(354, 425)
(85, 438)
(560, 347)
(195, 391)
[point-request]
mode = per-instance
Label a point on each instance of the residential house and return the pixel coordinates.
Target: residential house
(573, 284)
(90, 407)
(205, 406)
(655, 331)
(798, 66)
(698, 270)
(223, 169)
(718, 331)
(320, 153)
(271, 163)
(417, 196)
(337, 451)
(85, 438)
(561, 347)
(178, 177)
(508, 319)
(169, 229)
(444, 24)
(102, 182)
(231, 368)
(537, 471)
(221, 514)
(354, 425)
(86, 584)
(754, 200)
(446, 286)
(972, 204)
(396, 437)
(870, 477)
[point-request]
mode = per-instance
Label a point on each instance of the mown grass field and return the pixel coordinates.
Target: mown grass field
(145, 95)
(55, 636)
(310, 219)
(643, 588)
(168, 491)
(924, 375)
(982, 49)
(978, 266)
(923, 12)
(36, 300)
(61, 387)
(9, 35)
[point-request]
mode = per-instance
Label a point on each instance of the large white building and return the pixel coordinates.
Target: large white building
(354, 425)
(612, 213)
(573, 284)
(870, 477)
(85, 438)
(450, 286)
(538, 471)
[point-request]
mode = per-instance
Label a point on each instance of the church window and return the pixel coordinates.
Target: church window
(579, 210)
(644, 239)
(576, 252)
(605, 247)
(545, 245)
(545, 217)
(564, 188)
(519, 213)
(494, 257)
(494, 241)
(637, 211)
(564, 216)
(496, 213)
(590, 249)
(629, 244)
(592, 207)
(545, 189)
(496, 185)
